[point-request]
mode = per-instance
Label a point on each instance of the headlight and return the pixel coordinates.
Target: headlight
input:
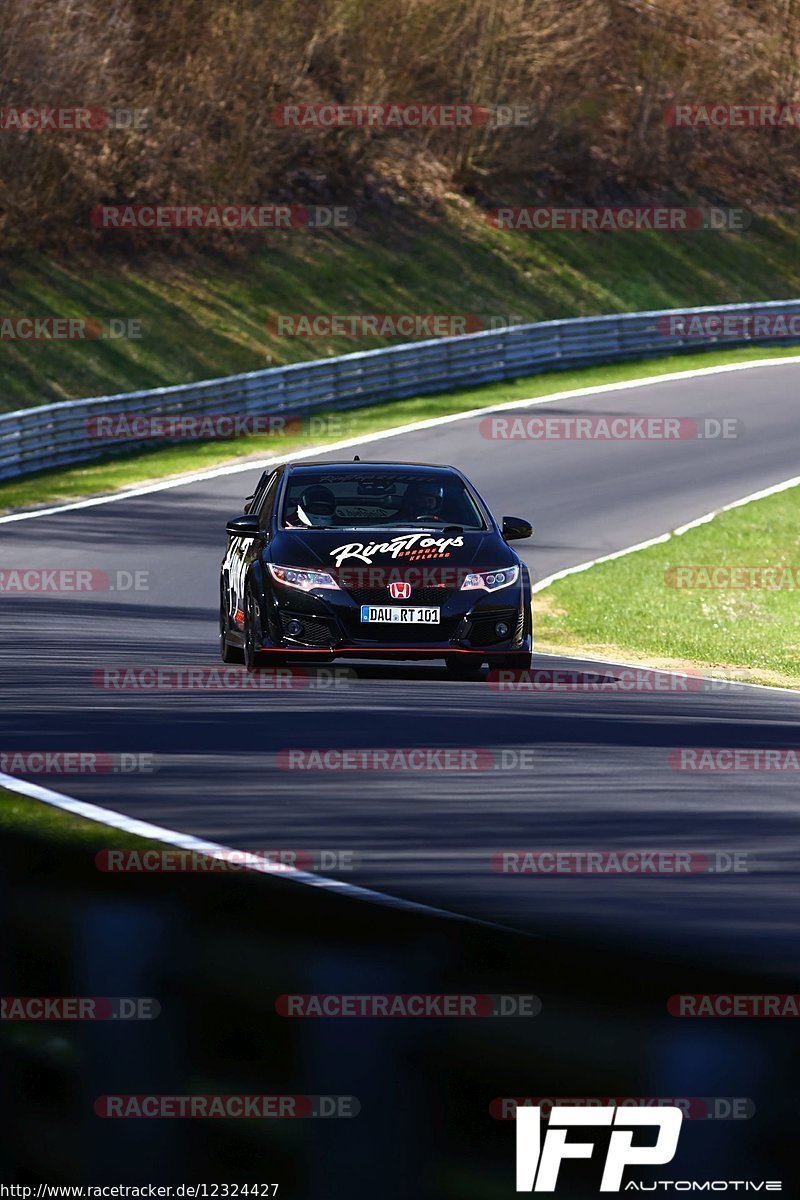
(490, 581)
(305, 581)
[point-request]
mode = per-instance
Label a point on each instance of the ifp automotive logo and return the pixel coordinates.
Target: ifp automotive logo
(538, 1164)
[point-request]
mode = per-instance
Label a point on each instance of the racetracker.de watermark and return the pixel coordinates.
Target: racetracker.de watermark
(547, 428)
(405, 115)
(727, 577)
(694, 1108)
(68, 329)
(619, 862)
(221, 679)
(409, 114)
(715, 1004)
(147, 862)
(737, 758)
(78, 1008)
(746, 115)
(731, 325)
(402, 759)
(612, 680)
(404, 326)
(426, 574)
(75, 762)
(618, 219)
(42, 118)
(236, 217)
(70, 580)
(207, 1107)
(409, 1004)
(126, 426)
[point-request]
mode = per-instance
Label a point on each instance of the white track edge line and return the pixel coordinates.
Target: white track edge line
(187, 841)
(773, 490)
(413, 427)
(643, 666)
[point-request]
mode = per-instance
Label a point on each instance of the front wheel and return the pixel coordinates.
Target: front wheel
(251, 626)
(228, 653)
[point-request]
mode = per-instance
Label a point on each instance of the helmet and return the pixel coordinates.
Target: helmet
(316, 506)
(428, 498)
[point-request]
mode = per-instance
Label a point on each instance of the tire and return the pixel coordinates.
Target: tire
(252, 659)
(462, 668)
(228, 653)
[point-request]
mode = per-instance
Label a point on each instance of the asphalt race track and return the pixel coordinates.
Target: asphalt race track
(597, 775)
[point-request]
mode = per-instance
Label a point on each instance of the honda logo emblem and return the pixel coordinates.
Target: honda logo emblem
(400, 591)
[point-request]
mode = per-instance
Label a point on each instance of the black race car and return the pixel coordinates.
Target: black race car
(373, 560)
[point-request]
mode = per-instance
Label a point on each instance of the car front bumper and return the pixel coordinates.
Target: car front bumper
(331, 626)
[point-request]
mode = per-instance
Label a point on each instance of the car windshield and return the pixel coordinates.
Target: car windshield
(378, 498)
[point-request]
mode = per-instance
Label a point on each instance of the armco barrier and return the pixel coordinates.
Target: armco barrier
(56, 435)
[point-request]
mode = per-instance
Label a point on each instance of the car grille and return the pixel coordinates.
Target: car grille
(482, 632)
(419, 595)
(409, 635)
(315, 633)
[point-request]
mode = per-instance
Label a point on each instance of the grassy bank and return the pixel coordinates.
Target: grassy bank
(720, 598)
(23, 814)
(206, 315)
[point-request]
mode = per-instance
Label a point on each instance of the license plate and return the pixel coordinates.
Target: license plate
(393, 615)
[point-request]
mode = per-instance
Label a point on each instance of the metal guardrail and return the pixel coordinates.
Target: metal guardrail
(56, 435)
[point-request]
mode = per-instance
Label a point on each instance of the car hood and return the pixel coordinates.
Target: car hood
(347, 548)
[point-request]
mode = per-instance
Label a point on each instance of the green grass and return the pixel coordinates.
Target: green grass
(23, 814)
(206, 315)
(104, 477)
(630, 608)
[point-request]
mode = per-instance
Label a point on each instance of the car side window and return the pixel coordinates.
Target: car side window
(252, 503)
(266, 500)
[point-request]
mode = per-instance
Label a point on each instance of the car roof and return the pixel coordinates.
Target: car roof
(362, 464)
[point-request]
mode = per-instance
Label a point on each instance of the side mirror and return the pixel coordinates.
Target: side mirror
(515, 528)
(244, 527)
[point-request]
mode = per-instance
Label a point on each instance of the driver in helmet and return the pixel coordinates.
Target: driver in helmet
(315, 508)
(425, 503)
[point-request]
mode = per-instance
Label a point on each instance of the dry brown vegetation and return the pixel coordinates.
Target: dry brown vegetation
(596, 74)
